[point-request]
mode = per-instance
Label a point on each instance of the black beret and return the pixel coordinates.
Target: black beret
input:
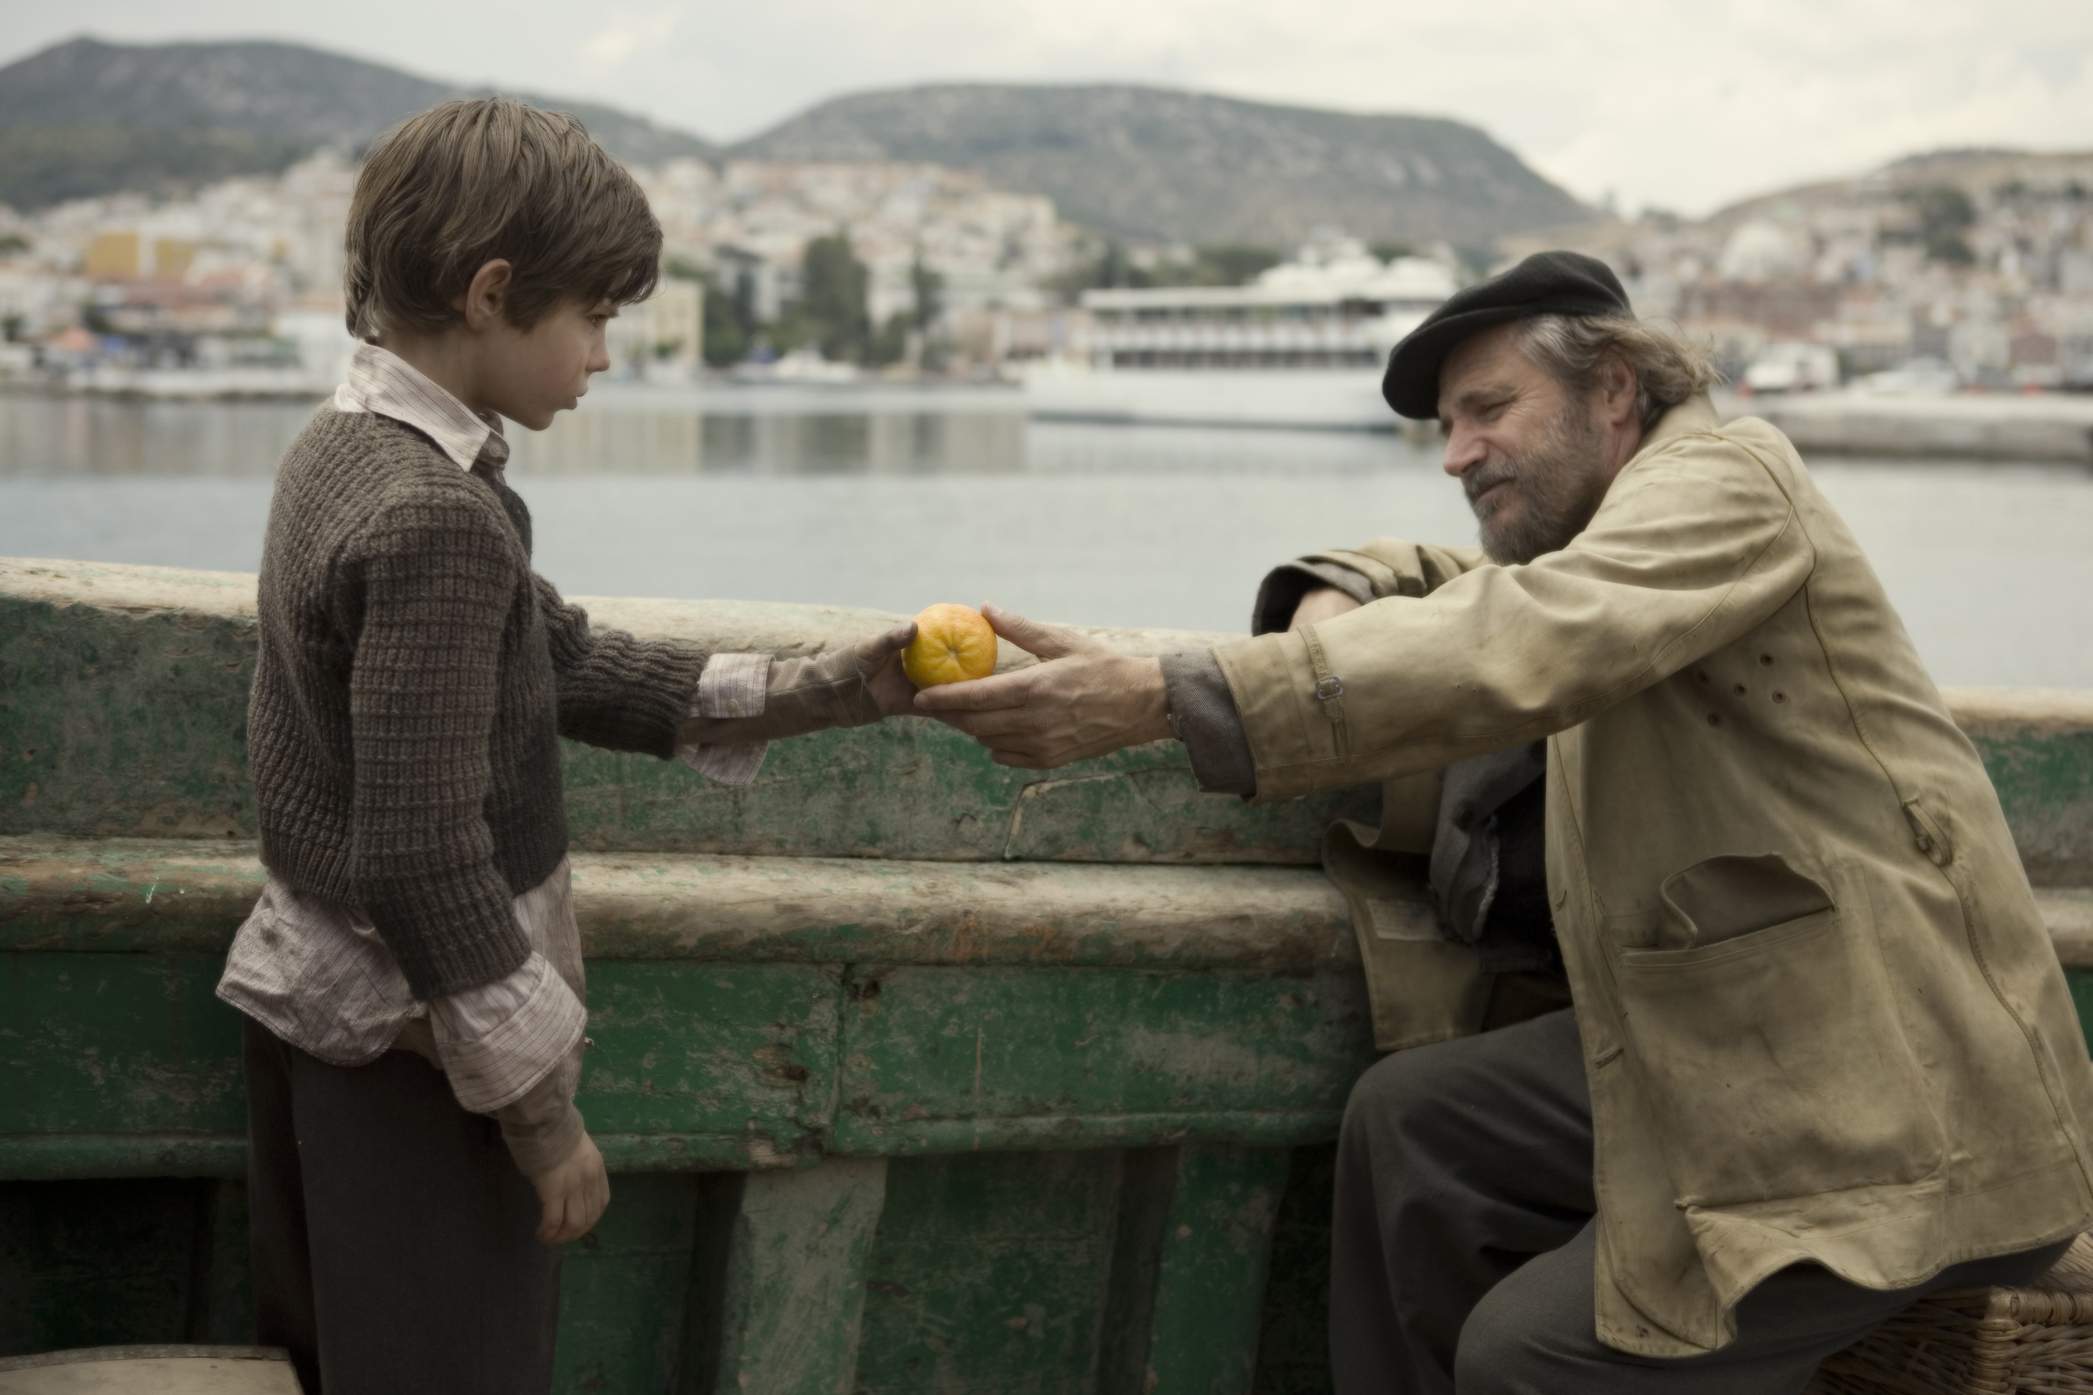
(1546, 283)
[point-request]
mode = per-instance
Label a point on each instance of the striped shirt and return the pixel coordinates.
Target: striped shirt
(318, 975)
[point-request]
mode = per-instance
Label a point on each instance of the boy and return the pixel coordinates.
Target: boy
(412, 973)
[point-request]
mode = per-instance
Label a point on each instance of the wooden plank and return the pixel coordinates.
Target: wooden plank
(221, 1300)
(2081, 981)
(1189, 1272)
(783, 1308)
(132, 897)
(90, 1263)
(1211, 1286)
(152, 1370)
(118, 1044)
(742, 1053)
(123, 698)
(938, 1059)
(137, 1065)
(1293, 1340)
(988, 1275)
(624, 1285)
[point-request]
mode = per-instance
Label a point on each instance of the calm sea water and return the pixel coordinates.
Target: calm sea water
(893, 500)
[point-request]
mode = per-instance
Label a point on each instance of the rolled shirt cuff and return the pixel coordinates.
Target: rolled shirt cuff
(1203, 712)
(1284, 586)
(732, 685)
(498, 1041)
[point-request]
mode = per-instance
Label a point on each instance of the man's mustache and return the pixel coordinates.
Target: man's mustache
(1485, 477)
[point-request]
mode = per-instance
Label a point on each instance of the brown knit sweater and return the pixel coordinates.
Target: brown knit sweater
(413, 680)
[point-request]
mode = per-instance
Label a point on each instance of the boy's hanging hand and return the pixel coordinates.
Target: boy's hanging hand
(573, 1193)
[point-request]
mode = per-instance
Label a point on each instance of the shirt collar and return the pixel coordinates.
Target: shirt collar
(382, 382)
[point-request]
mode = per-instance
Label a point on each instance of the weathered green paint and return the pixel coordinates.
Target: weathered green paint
(1211, 1286)
(1188, 1278)
(2081, 980)
(624, 1286)
(783, 1308)
(732, 1051)
(2043, 771)
(943, 1059)
(117, 1045)
(123, 708)
(967, 1092)
(121, 896)
(988, 1275)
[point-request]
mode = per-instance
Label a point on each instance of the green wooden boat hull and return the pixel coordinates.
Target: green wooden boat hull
(915, 1073)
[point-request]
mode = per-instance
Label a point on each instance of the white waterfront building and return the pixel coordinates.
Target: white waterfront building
(1302, 345)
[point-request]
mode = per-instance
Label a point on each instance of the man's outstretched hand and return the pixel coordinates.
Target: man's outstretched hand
(1080, 700)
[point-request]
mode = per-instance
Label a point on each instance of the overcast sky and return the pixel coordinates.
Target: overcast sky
(1686, 104)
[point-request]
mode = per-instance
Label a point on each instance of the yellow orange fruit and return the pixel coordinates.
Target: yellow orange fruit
(953, 643)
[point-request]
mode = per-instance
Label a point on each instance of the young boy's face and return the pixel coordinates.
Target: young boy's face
(530, 374)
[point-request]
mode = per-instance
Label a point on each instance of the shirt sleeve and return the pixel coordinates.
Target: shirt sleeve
(731, 686)
(498, 1041)
(1284, 586)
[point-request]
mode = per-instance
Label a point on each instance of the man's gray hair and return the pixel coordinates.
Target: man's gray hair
(1667, 369)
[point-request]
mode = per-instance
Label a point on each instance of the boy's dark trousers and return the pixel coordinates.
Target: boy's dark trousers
(394, 1244)
(1461, 1247)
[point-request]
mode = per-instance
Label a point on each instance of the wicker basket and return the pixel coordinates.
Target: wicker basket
(1988, 1341)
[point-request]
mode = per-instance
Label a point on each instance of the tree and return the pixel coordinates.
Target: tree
(729, 327)
(1945, 214)
(929, 290)
(832, 298)
(890, 345)
(1231, 263)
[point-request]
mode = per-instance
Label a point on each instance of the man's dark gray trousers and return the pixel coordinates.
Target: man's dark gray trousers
(1461, 1251)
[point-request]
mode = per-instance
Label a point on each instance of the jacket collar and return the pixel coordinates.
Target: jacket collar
(1696, 414)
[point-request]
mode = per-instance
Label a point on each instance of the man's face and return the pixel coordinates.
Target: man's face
(1529, 455)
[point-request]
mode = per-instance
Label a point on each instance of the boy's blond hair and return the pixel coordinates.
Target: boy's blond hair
(469, 181)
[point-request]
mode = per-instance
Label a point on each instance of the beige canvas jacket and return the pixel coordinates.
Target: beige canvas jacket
(1822, 1019)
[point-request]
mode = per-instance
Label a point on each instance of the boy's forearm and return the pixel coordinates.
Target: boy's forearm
(543, 1126)
(614, 689)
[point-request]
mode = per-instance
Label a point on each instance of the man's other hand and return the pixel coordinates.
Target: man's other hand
(1323, 603)
(1080, 700)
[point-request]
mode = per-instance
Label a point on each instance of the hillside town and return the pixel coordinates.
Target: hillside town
(1965, 272)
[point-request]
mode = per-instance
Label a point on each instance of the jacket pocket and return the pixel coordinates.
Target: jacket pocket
(1773, 1056)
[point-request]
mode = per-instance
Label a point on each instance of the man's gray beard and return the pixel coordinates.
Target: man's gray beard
(1557, 485)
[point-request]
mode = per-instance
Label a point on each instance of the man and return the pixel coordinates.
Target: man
(1822, 1057)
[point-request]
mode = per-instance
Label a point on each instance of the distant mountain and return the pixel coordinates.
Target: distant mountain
(1145, 164)
(1975, 171)
(1150, 163)
(89, 117)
